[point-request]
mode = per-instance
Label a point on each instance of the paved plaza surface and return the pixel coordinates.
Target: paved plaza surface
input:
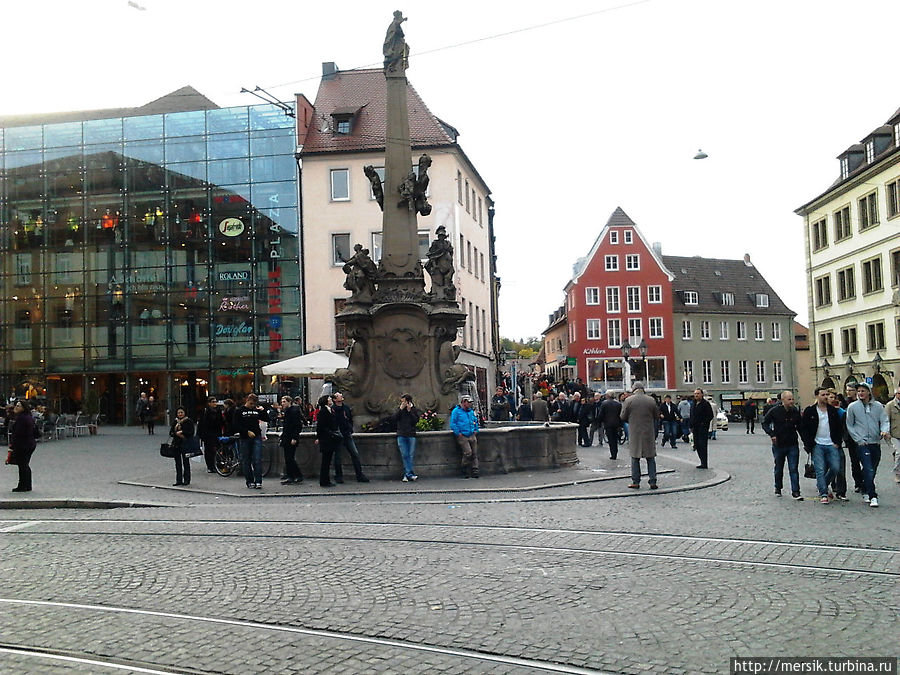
(562, 571)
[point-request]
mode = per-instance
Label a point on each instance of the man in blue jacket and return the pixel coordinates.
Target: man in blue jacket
(464, 425)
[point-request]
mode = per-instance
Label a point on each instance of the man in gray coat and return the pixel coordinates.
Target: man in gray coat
(641, 412)
(540, 411)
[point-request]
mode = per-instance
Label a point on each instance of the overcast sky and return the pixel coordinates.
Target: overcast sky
(565, 122)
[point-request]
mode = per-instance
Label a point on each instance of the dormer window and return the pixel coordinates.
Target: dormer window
(870, 152)
(728, 299)
(342, 119)
(691, 298)
(845, 167)
(342, 126)
(762, 299)
(897, 135)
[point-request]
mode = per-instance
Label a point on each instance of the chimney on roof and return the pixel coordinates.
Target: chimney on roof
(747, 260)
(657, 247)
(329, 69)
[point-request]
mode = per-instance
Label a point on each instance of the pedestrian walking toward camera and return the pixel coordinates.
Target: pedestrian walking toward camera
(641, 413)
(291, 427)
(210, 427)
(822, 431)
(142, 408)
(247, 420)
(610, 412)
(597, 422)
(867, 424)
(22, 442)
(406, 418)
(668, 414)
(540, 411)
(586, 414)
(852, 448)
(701, 415)
(499, 406)
(328, 437)
(151, 414)
(181, 431)
(464, 424)
(839, 481)
(782, 424)
(893, 412)
(344, 415)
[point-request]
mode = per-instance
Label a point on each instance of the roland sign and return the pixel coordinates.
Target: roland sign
(231, 227)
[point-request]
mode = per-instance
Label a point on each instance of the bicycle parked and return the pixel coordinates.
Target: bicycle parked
(228, 456)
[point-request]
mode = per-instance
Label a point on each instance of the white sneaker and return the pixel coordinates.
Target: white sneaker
(873, 502)
(405, 479)
(866, 499)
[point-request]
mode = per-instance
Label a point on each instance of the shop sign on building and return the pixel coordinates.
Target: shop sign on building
(231, 227)
(241, 275)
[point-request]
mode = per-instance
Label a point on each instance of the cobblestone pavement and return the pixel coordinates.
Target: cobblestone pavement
(444, 580)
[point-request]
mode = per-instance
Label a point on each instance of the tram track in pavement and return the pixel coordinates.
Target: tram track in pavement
(821, 558)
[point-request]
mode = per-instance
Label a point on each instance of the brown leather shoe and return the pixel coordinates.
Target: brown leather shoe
(635, 486)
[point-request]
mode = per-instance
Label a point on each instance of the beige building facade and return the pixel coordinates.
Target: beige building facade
(853, 266)
(344, 133)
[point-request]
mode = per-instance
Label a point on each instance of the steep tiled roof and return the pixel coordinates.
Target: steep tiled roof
(180, 100)
(365, 91)
(619, 218)
(710, 277)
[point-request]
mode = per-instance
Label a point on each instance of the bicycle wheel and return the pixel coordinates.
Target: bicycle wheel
(224, 462)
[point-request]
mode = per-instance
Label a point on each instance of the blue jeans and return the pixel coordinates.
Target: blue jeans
(350, 445)
(251, 459)
(827, 460)
(670, 432)
(685, 427)
(869, 457)
(407, 445)
(636, 470)
(792, 454)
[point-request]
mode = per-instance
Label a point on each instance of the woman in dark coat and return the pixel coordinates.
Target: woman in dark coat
(328, 436)
(22, 443)
(181, 430)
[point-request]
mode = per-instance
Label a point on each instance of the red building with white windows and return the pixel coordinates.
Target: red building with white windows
(619, 297)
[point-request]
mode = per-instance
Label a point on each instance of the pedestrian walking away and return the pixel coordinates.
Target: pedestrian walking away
(405, 419)
(867, 424)
(464, 425)
(782, 424)
(750, 416)
(641, 413)
(540, 411)
(22, 442)
(610, 411)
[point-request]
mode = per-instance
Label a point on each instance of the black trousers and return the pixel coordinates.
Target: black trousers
(855, 465)
(291, 469)
(182, 469)
(327, 450)
(210, 445)
(701, 443)
(23, 460)
(612, 436)
(584, 437)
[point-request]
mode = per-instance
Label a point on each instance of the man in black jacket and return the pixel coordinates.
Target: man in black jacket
(344, 415)
(822, 431)
(210, 426)
(610, 411)
(668, 414)
(782, 424)
(701, 416)
(246, 423)
(586, 414)
(290, 436)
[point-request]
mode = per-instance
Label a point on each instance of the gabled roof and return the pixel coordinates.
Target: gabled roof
(364, 91)
(180, 100)
(710, 277)
(618, 219)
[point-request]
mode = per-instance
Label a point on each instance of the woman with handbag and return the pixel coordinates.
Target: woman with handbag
(22, 442)
(182, 433)
(328, 436)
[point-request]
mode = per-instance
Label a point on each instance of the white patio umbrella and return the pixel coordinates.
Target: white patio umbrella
(322, 362)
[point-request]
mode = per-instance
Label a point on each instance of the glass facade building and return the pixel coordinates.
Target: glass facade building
(154, 253)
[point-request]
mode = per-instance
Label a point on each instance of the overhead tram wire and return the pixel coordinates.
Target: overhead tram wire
(483, 39)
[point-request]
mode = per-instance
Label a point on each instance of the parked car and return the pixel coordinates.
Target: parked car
(721, 422)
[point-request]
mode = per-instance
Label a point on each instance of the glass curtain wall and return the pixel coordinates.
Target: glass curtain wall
(156, 253)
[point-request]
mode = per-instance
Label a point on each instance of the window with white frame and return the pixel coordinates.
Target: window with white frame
(826, 344)
(592, 295)
(654, 295)
(723, 330)
(707, 371)
(687, 372)
(897, 135)
(726, 372)
(875, 336)
(743, 376)
(629, 236)
(632, 261)
(691, 298)
(728, 299)
(380, 171)
(760, 371)
(762, 299)
(758, 333)
(704, 330)
(612, 299)
(612, 263)
(340, 185)
(572, 332)
(776, 331)
(614, 332)
(613, 237)
(340, 249)
(870, 151)
(593, 329)
(634, 331)
(633, 295)
(777, 372)
(741, 330)
(686, 331)
(656, 326)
